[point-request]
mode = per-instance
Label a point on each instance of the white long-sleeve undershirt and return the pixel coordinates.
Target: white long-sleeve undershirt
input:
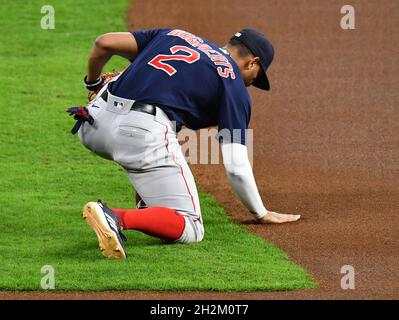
(241, 177)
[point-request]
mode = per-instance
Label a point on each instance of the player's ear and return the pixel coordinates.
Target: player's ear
(247, 62)
(254, 62)
(251, 62)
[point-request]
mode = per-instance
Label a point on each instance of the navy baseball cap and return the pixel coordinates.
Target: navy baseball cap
(260, 47)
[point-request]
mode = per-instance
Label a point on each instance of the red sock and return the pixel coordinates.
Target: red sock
(120, 213)
(159, 222)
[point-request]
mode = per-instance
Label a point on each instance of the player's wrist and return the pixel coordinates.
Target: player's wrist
(259, 215)
(93, 85)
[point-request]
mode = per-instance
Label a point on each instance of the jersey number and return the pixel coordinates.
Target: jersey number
(159, 61)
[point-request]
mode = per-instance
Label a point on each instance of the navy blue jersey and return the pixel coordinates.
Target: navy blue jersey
(194, 81)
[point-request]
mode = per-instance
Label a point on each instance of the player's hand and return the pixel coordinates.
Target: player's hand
(276, 218)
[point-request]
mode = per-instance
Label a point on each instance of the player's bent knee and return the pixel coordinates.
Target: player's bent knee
(193, 231)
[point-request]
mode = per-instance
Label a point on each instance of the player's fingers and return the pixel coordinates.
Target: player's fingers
(274, 217)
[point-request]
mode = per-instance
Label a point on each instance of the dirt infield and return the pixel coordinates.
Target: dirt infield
(326, 138)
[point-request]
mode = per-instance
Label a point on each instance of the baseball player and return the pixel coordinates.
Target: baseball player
(175, 79)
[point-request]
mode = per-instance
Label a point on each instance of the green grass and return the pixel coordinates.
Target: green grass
(47, 176)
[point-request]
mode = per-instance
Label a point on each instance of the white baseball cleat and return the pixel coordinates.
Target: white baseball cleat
(105, 224)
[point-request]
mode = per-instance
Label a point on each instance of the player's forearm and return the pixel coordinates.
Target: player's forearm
(241, 178)
(98, 58)
(246, 190)
(122, 44)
